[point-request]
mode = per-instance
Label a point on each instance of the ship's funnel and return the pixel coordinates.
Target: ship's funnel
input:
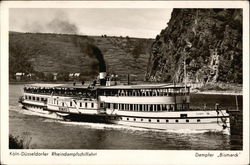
(102, 76)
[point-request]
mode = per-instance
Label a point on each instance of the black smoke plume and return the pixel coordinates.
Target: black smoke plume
(92, 51)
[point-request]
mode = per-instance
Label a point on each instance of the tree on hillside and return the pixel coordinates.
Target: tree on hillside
(63, 76)
(138, 50)
(49, 77)
(18, 59)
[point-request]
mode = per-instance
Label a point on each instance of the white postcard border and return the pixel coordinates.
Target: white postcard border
(121, 156)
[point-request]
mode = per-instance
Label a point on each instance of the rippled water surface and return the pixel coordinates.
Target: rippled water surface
(54, 134)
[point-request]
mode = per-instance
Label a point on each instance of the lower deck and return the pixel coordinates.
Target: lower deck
(219, 122)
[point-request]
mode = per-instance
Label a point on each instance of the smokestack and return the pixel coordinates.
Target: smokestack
(102, 76)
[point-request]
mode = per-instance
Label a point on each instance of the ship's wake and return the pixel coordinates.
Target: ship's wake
(133, 129)
(33, 113)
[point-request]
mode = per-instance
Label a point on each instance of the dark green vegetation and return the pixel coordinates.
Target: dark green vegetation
(19, 143)
(45, 54)
(15, 142)
(196, 34)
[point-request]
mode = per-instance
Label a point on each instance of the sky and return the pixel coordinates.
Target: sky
(132, 22)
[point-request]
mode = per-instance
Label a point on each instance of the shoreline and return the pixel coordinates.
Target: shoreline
(218, 93)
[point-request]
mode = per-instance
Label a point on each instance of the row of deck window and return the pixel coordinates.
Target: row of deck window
(32, 106)
(150, 120)
(146, 107)
(145, 92)
(80, 104)
(85, 105)
(34, 98)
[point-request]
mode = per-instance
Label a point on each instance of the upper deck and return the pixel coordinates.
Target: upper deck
(117, 90)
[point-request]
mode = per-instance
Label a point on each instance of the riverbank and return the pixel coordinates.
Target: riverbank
(213, 92)
(217, 88)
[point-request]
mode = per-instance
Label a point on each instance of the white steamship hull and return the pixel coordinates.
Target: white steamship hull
(162, 108)
(174, 126)
(192, 120)
(165, 121)
(206, 125)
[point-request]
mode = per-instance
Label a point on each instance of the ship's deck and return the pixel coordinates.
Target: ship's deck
(87, 86)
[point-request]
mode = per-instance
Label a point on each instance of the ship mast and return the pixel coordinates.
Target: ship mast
(185, 71)
(189, 45)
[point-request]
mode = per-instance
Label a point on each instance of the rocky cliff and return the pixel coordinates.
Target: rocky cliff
(209, 41)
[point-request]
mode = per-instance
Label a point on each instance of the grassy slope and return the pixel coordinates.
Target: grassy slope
(58, 53)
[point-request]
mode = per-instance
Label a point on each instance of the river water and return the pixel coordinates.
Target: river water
(54, 134)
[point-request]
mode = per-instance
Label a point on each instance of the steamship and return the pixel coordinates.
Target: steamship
(152, 106)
